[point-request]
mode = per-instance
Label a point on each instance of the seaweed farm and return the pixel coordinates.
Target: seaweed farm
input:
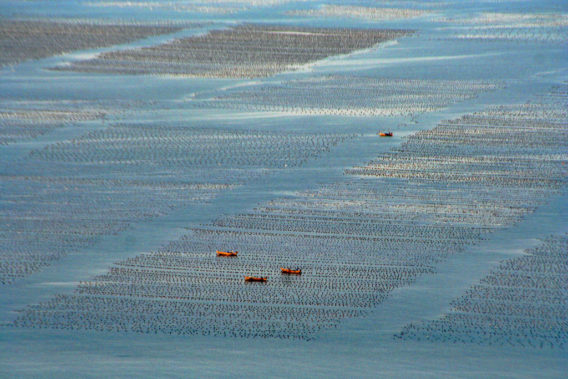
(371, 13)
(351, 96)
(521, 303)
(18, 125)
(283, 188)
(493, 26)
(22, 40)
(454, 192)
(492, 148)
(201, 7)
(246, 51)
(68, 195)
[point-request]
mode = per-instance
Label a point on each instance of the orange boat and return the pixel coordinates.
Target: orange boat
(289, 271)
(227, 253)
(385, 134)
(256, 279)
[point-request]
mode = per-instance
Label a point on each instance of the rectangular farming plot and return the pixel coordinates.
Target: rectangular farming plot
(355, 240)
(549, 27)
(367, 13)
(241, 52)
(515, 146)
(66, 196)
(523, 302)
(18, 125)
(348, 95)
(352, 255)
(23, 40)
(141, 148)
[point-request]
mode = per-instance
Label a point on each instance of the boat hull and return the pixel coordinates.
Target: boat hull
(288, 271)
(255, 279)
(227, 253)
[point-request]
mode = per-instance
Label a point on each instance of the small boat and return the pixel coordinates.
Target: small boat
(256, 278)
(385, 134)
(227, 253)
(289, 271)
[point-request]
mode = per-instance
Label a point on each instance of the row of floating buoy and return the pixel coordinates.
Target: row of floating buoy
(286, 271)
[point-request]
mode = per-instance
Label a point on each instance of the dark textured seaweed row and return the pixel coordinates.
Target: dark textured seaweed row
(69, 194)
(22, 40)
(243, 51)
(523, 302)
(18, 125)
(351, 96)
